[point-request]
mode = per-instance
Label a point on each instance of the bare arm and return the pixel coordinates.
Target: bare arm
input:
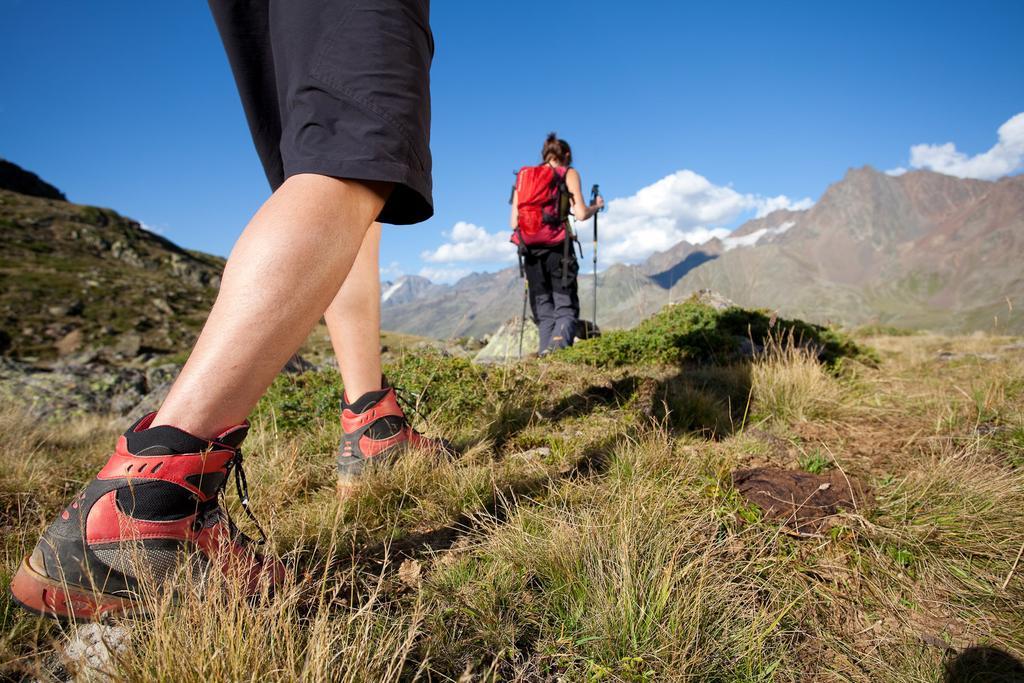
(513, 221)
(580, 209)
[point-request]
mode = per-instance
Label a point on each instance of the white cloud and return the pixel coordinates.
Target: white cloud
(682, 206)
(1005, 157)
(647, 239)
(155, 229)
(393, 270)
(898, 171)
(765, 205)
(471, 243)
(444, 273)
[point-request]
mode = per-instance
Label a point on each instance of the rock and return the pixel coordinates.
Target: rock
(160, 374)
(410, 573)
(504, 346)
(149, 403)
(329, 363)
(456, 351)
(69, 343)
(128, 345)
(71, 308)
(297, 365)
(747, 347)
(72, 389)
(162, 306)
(184, 267)
(77, 359)
(533, 455)
(57, 330)
(713, 299)
(157, 382)
(93, 649)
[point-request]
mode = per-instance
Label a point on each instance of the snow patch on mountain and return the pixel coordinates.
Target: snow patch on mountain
(753, 238)
(397, 285)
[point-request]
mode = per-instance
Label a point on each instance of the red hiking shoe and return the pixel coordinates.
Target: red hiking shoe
(374, 432)
(153, 503)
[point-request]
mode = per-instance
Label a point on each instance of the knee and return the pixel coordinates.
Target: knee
(325, 187)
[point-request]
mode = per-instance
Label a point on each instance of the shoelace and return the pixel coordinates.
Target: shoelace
(408, 405)
(242, 487)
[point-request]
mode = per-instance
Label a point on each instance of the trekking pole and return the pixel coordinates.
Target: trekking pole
(594, 193)
(522, 320)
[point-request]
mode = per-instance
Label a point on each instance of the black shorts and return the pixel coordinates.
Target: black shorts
(339, 88)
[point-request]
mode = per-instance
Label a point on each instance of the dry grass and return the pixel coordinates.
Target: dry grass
(325, 626)
(789, 384)
(595, 537)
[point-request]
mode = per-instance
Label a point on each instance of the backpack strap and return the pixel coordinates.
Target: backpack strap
(522, 251)
(565, 198)
(565, 205)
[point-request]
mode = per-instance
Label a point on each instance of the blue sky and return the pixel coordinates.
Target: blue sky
(694, 116)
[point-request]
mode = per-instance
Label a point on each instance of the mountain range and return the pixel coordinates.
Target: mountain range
(917, 250)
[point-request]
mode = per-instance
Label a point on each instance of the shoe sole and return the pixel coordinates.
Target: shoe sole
(34, 591)
(348, 481)
(350, 476)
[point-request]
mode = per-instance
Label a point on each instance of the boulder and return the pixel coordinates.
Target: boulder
(503, 346)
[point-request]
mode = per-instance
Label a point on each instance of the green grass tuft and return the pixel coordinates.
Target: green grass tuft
(693, 331)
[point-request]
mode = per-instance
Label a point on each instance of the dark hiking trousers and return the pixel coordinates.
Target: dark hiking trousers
(555, 307)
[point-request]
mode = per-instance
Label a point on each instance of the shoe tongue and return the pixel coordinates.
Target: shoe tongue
(164, 440)
(366, 401)
(234, 436)
(168, 440)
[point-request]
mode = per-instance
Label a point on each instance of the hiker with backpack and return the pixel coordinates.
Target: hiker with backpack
(544, 197)
(337, 96)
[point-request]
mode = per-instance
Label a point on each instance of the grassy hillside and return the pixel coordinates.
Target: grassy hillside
(74, 278)
(599, 524)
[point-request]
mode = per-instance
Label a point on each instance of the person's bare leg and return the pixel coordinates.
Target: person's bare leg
(353, 320)
(282, 274)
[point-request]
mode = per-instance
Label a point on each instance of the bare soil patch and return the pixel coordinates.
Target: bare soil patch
(797, 498)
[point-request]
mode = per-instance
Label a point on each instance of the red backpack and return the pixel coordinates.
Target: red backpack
(543, 206)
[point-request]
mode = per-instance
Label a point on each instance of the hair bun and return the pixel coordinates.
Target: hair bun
(556, 149)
